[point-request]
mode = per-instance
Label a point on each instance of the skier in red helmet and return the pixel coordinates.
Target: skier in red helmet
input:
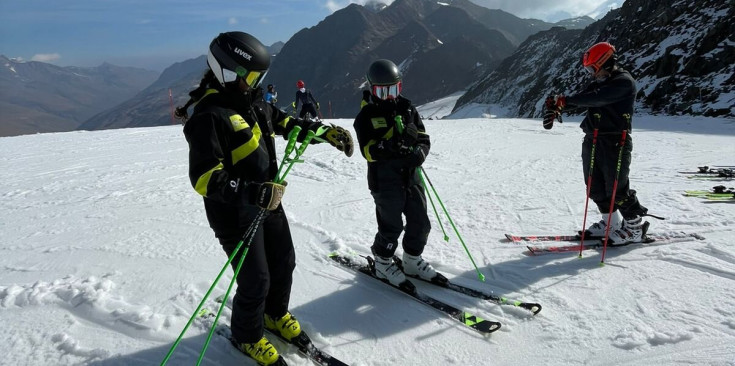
(609, 100)
(307, 101)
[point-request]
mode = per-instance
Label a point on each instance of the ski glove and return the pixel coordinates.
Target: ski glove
(415, 157)
(269, 195)
(341, 139)
(410, 134)
(317, 106)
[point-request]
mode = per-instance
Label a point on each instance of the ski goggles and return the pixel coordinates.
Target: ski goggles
(387, 91)
(251, 77)
(591, 69)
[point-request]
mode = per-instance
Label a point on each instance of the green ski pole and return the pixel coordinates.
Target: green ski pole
(479, 274)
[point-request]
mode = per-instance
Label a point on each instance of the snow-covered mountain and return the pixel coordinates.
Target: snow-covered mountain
(682, 54)
(105, 252)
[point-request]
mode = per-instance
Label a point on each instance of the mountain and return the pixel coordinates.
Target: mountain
(152, 105)
(41, 97)
(681, 54)
(441, 47)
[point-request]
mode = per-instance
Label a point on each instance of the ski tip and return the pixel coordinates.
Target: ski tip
(531, 251)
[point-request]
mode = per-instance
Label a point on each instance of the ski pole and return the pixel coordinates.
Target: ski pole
(589, 188)
(211, 288)
(289, 147)
(479, 274)
(304, 144)
(612, 200)
(250, 236)
(436, 213)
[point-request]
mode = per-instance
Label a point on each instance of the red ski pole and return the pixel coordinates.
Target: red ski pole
(589, 187)
(612, 200)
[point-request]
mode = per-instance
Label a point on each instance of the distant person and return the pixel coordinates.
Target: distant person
(393, 159)
(271, 95)
(233, 164)
(609, 100)
(307, 101)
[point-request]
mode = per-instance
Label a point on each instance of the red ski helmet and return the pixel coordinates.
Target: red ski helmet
(599, 56)
(300, 84)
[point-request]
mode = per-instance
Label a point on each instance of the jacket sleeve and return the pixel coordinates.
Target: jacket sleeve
(608, 93)
(283, 124)
(423, 141)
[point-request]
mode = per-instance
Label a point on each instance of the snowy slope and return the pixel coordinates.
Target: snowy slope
(105, 252)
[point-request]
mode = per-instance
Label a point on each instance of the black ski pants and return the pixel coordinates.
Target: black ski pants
(264, 281)
(390, 206)
(605, 170)
(308, 108)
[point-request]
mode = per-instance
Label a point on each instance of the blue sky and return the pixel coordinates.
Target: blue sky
(157, 33)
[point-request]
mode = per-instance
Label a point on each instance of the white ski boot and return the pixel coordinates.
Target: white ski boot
(633, 231)
(597, 230)
(417, 266)
(386, 269)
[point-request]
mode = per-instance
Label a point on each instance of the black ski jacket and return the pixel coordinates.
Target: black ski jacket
(304, 98)
(375, 127)
(609, 104)
(232, 149)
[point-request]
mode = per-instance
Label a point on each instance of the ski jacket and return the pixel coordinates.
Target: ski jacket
(232, 150)
(609, 104)
(271, 97)
(375, 127)
(304, 98)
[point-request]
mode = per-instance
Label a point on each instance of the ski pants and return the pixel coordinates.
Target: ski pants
(390, 206)
(604, 173)
(264, 280)
(308, 108)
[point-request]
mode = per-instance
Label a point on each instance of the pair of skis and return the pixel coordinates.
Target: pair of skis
(534, 247)
(465, 318)
(303, 342)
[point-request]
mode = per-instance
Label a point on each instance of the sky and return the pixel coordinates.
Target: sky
(156, 34)
(105, 251)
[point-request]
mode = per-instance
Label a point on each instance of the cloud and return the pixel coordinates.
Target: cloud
(551, 11)
(232, 21)
(264, 21)
(334, 5)
(46, 57)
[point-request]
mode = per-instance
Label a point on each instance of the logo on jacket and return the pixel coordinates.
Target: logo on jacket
(244, 54)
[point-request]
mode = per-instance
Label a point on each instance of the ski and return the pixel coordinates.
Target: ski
(711, 170)
(224, 331)
(444, 283)
(708, 194)
(303, 343)
(538, 238)
(469, 320)
(598, 243)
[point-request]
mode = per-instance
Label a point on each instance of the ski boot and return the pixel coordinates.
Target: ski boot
(632, 231)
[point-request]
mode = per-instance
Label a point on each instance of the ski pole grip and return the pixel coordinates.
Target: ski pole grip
(292, 139)
(399, 124)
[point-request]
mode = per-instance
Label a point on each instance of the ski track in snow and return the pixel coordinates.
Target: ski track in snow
(105, 252)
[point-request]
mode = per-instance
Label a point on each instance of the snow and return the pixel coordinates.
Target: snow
(106, 251)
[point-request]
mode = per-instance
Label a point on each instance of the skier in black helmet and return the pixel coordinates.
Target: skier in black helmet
(394, 142)
(306, 100)
(232, 164)
(609, 101)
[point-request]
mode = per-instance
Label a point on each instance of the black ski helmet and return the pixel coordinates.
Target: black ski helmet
(383, 72)
(237, 54)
